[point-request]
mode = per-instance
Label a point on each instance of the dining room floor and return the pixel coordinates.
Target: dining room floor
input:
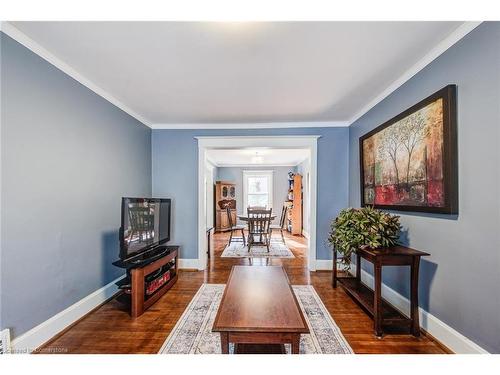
(110, 329)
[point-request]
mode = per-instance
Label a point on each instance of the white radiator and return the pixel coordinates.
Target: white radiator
(5, 341)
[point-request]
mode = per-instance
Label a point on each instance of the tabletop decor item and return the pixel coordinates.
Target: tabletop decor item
(362, 228)
(409, 163)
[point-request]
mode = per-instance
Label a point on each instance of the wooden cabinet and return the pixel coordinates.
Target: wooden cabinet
(222, 221)
(294, 219)
(225, 196)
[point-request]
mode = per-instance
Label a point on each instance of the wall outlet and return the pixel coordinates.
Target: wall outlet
(5, 341)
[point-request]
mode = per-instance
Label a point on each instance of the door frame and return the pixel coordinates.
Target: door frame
(309, 142)
(210, 169)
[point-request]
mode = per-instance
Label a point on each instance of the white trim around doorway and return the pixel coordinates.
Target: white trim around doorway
(309, 142)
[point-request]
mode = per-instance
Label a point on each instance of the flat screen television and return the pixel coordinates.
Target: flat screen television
(145, 225)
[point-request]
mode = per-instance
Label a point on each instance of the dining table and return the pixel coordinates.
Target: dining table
(244, 217)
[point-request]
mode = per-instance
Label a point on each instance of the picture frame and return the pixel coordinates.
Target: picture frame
(410, 162)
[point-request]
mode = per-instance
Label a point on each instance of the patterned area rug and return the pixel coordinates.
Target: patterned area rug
(277, 249)
(193, 332)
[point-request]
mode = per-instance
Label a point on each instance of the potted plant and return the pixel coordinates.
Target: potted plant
(362, 228)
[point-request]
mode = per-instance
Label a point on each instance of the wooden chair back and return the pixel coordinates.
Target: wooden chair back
(229, 217)
(283, 216)
(259, 221)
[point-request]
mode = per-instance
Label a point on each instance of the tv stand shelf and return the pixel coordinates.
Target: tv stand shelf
(139, 301)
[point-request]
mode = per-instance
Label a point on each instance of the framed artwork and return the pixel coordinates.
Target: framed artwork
(409, 163)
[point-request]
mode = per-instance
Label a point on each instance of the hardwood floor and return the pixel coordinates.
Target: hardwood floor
(110, 329)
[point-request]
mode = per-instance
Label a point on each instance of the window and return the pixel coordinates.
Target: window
(257, 189)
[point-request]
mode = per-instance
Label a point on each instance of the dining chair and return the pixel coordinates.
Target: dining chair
(235, 227)
(281, 224)
(259, 222)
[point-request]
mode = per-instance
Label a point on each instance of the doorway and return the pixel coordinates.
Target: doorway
(304, 143)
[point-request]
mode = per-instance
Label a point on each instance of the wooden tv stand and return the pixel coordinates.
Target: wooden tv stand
(139, 302)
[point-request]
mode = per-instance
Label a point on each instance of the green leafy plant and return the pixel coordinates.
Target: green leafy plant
(362, 228)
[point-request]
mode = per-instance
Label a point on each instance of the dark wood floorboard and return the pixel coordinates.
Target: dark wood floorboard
(110, 329)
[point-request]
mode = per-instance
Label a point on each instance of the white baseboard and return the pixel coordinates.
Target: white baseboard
(37, 336)
(5, 341)
(448, 336)
(34, 338)
(324, 264)
(189, 263)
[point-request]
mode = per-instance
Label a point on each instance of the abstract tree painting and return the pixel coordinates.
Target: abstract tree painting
(410, 162)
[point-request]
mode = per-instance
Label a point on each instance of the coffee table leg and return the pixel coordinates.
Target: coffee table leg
(296, 344)
(224, 342)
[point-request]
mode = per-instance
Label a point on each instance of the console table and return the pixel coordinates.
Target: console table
(371, 301)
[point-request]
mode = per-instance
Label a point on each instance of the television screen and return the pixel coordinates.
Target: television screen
(145, 224)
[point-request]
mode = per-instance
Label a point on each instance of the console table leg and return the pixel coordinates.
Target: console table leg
(377, 301)
(296, 344)
(334, 271)
(224, 342)
(415, 325)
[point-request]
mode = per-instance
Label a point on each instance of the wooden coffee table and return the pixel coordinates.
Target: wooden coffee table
(259, 307)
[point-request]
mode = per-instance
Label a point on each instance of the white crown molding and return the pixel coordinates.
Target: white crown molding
(224, 165)
(445, 44)
(435, 52)
(278, 140)
(29, 43)
(254, 125)
(439, 49)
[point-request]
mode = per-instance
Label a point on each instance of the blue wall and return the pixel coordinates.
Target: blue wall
(68, 156)
(459, 283)
(175, 175)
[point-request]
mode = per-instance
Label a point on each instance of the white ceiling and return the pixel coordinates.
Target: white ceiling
(186, 73)
(246, 157)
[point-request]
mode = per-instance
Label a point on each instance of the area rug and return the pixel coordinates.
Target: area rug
(193, 332)
(277, 249)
